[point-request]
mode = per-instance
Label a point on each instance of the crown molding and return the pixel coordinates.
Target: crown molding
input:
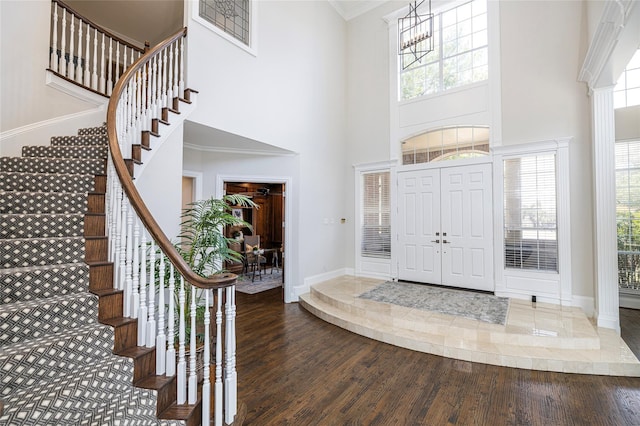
(241, 151)
(614, 18)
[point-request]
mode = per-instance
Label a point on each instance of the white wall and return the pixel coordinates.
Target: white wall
(160, 185)
(542, 45)
(541, 99)
(24, 57)
(367, 103)
(291, 95)
(272, 168)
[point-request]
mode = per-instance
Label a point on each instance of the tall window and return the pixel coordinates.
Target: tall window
(376, 215)
(231, 16)
(459, 56)
(627, 90)
(628, 213)
(530, 220)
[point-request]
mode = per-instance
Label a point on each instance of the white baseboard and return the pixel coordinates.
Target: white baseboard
(631, 301)
(315, 279)
(56, 82)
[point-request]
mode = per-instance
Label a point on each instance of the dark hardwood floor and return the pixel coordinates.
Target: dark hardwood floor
(630, 329)
(295, 369)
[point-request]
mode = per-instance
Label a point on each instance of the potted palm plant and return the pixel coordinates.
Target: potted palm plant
(204, 246)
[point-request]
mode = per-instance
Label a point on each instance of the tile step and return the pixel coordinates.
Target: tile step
(460, 344)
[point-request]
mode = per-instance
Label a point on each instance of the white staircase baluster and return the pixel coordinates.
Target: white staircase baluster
(116, 77)
(142, 309)
(163, 103)
(230, 382)
(94, 75)
(128, 290)
(124, 59)
(170, 94)
(71, 69)
(62, 67)
(151, 322)
(103, 80)
(154, 92)
(182, 364)
(79, 59)
(176, 68)
(161, 339)
(121, 255)
(135, 295)
(206, 383)
(193, 377)
(53, 60)
(138, 126)
(218, 397)
(87, 74)
(145, 99)
(171, 334)
(181, 83)
(110, 68)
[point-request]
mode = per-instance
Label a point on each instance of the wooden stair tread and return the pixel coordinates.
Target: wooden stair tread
(104, 291)
(181, 412)
(98, 262)
(134, 351)
(119, 321)
(155, 382)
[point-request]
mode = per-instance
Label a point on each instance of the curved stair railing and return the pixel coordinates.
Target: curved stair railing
(85, 53)
(150, 87)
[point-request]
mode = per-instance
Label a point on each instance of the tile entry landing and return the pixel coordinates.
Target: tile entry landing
(538, 336)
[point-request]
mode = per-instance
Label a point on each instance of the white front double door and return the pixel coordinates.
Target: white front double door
(445, 226)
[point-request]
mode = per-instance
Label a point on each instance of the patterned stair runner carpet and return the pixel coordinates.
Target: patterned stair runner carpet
(56, 360)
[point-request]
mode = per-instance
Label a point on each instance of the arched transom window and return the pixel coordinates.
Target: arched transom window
(446, 143)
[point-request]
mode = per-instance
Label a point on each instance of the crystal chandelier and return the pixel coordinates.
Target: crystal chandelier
(415, 34)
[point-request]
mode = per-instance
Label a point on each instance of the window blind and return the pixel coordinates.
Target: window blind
(530, 219)
(628, 213)
(376, 215)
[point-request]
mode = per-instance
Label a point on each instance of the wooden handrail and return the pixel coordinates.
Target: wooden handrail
(212, 282)
(98, 27)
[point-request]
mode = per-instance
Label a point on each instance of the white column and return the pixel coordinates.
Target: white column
(607, 299)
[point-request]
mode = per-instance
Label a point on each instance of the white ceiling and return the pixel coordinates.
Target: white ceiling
(350, 9)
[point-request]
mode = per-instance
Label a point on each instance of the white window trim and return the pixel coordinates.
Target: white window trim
(396, 133)
(252, 48)
(548, 286)
(369, 266)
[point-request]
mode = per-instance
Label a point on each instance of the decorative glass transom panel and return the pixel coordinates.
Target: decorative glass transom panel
(231, 16)
(447, 143)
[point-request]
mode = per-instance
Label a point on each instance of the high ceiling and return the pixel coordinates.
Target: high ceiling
(153, 20)
(134, 20)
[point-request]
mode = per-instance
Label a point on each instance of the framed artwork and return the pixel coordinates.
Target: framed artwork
(237, 213)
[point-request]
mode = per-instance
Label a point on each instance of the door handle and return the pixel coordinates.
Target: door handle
(446, 242)
(435, 241)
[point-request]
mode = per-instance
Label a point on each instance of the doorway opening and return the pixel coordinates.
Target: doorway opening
(265, 268)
